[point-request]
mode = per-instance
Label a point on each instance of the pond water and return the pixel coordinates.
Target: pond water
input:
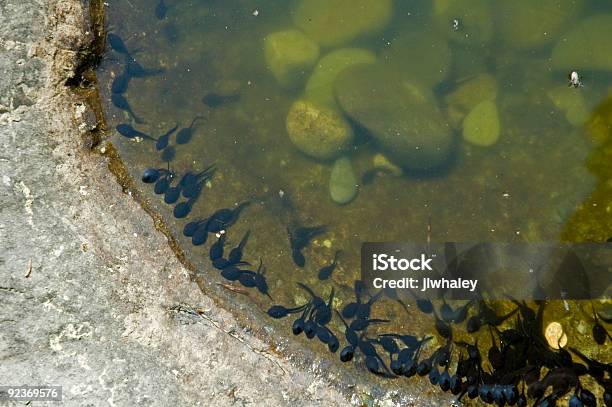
(382, 120)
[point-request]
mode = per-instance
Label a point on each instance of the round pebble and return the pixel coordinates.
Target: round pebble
(555, 336)
(481, 126)
(342, 182)
(381, 162)
(582, 327)
(318, 131)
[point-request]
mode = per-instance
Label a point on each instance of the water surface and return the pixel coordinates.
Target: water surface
(544, 178)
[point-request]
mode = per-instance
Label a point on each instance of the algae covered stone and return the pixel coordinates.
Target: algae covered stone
(382, 163)
(599, 124)
(290, 55)
(421, 56)
(474, 18)
(481, 126)
(318, 131)
(587, 46)
(342, 181)
(526, 24)
(571, 102)
(337, 22)
(468, 94)
(401, 116)
(319, 87)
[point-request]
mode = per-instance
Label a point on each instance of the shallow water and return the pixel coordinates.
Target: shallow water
(543, 180)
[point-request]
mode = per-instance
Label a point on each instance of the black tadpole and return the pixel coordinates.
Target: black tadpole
(135, 70)
(182, 209)
(117, 44)
(120, 102)
(600, 334)
(224, 218)
(163, 183)
(160, 10)
(326, 271)
(235, 254)
(193, 226)
(164, 139)
(128, 131)
(172, 195)
(216, 249)
(299, 238)
(424, 305)
(184, 135)
(260, 281)
(192, 184)
(168, 154)
(151, 175)
(279, 311)
(443, 328)
(214, 100)
(120, 83)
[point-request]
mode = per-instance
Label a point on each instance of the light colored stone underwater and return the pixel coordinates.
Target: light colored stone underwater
(463, 113)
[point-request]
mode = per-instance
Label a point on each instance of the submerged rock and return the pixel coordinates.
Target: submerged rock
(468, 94)
(599, 124)
(289, 56)
(555, 336)
(474, 20)
(481, 126)
(571, 102)
(605, 310)
(401, 116)
(470, 60)
(587, 46)
(421, 56)
(342, 181)
(318, 131)
(473, 91)
(381, 162)
(336, 22)
(319, 87)
(526, 24)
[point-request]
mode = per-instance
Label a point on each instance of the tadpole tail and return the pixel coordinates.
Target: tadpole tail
(375, 297)
(195, 119)
(297, 309)
(342, 319)
(387, 373)
(207, 172)
(378, 321)
(241, 207)
(170, 131)
(307, 289)
(244, 241)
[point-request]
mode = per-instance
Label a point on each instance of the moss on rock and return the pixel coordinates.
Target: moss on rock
(318, 131)
(337, 22)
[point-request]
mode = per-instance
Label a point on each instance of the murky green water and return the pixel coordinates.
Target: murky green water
(507, 150)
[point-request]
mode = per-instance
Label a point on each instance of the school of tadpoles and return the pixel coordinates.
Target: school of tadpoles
(518, 368)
